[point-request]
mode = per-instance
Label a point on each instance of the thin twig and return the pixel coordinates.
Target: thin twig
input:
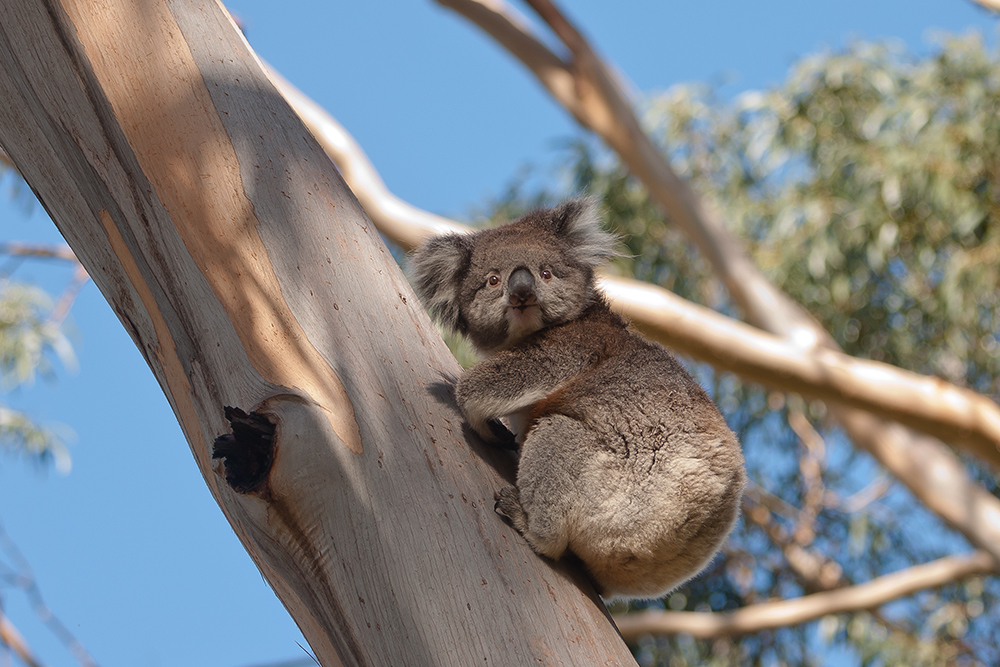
(865, 497)
(68, 297)
(12, 638)
(40, 250)
(761, 496)
(26, 581)
(815, 571)
(811, 469)
(59, 251)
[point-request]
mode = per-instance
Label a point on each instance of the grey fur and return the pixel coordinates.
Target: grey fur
(624, 458)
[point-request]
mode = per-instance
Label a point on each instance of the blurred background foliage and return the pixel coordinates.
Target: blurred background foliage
(30, 343)
(866, 188)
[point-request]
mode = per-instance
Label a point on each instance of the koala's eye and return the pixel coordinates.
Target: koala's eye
(546, 275)
(493, 280)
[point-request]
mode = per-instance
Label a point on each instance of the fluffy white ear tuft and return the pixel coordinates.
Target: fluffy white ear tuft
(580, 220)
(438, 267)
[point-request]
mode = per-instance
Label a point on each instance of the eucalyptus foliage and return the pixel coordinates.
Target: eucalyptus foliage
(866, 187)
(28, 343)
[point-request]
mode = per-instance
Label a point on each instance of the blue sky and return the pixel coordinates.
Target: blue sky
(129, 549)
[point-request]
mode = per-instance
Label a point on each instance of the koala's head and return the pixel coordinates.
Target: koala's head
(499, 285)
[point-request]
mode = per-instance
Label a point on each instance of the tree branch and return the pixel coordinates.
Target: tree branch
(68, 297)
(925, 403)
(56, 251)
(248, 275)
(991, 5)
(24, 578)
(912, 458)
(769, 615)
(402, 222)
(811, 475)
(10, 637)
(814, 570)
(44, 250)
(924, 465)
(587, 89)
(865, 497)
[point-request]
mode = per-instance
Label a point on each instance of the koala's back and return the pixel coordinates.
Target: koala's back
(640, 471)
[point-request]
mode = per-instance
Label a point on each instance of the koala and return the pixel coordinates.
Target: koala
(624, 459)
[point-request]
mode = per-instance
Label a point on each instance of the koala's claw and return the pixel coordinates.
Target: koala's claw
(508, 505)
(498, 506)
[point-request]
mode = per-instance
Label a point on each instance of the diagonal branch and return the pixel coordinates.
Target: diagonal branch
(405, 224)
(25, 580)
(865, 497)
(12, 638)
(928, 404)
(769, 615)
(913, 459)
(811, 474)
(991, 5)
(587, 89)
(53, 251)
(936, 476)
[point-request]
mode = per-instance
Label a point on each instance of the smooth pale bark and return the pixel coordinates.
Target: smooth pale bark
(249, 276)
(992, 5)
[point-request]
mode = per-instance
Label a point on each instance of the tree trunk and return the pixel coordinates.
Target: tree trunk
(248, 275)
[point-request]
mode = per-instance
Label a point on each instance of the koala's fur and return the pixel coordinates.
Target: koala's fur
(624, 458)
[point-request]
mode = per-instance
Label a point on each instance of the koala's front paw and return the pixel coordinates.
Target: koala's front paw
(508, 505)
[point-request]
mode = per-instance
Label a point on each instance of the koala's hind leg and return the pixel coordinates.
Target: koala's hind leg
(550, 478)
(543, 531)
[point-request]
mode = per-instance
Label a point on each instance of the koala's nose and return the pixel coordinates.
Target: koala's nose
(521, 287)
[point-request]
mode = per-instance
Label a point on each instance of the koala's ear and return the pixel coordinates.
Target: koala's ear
(579, 222)
(438, 267)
